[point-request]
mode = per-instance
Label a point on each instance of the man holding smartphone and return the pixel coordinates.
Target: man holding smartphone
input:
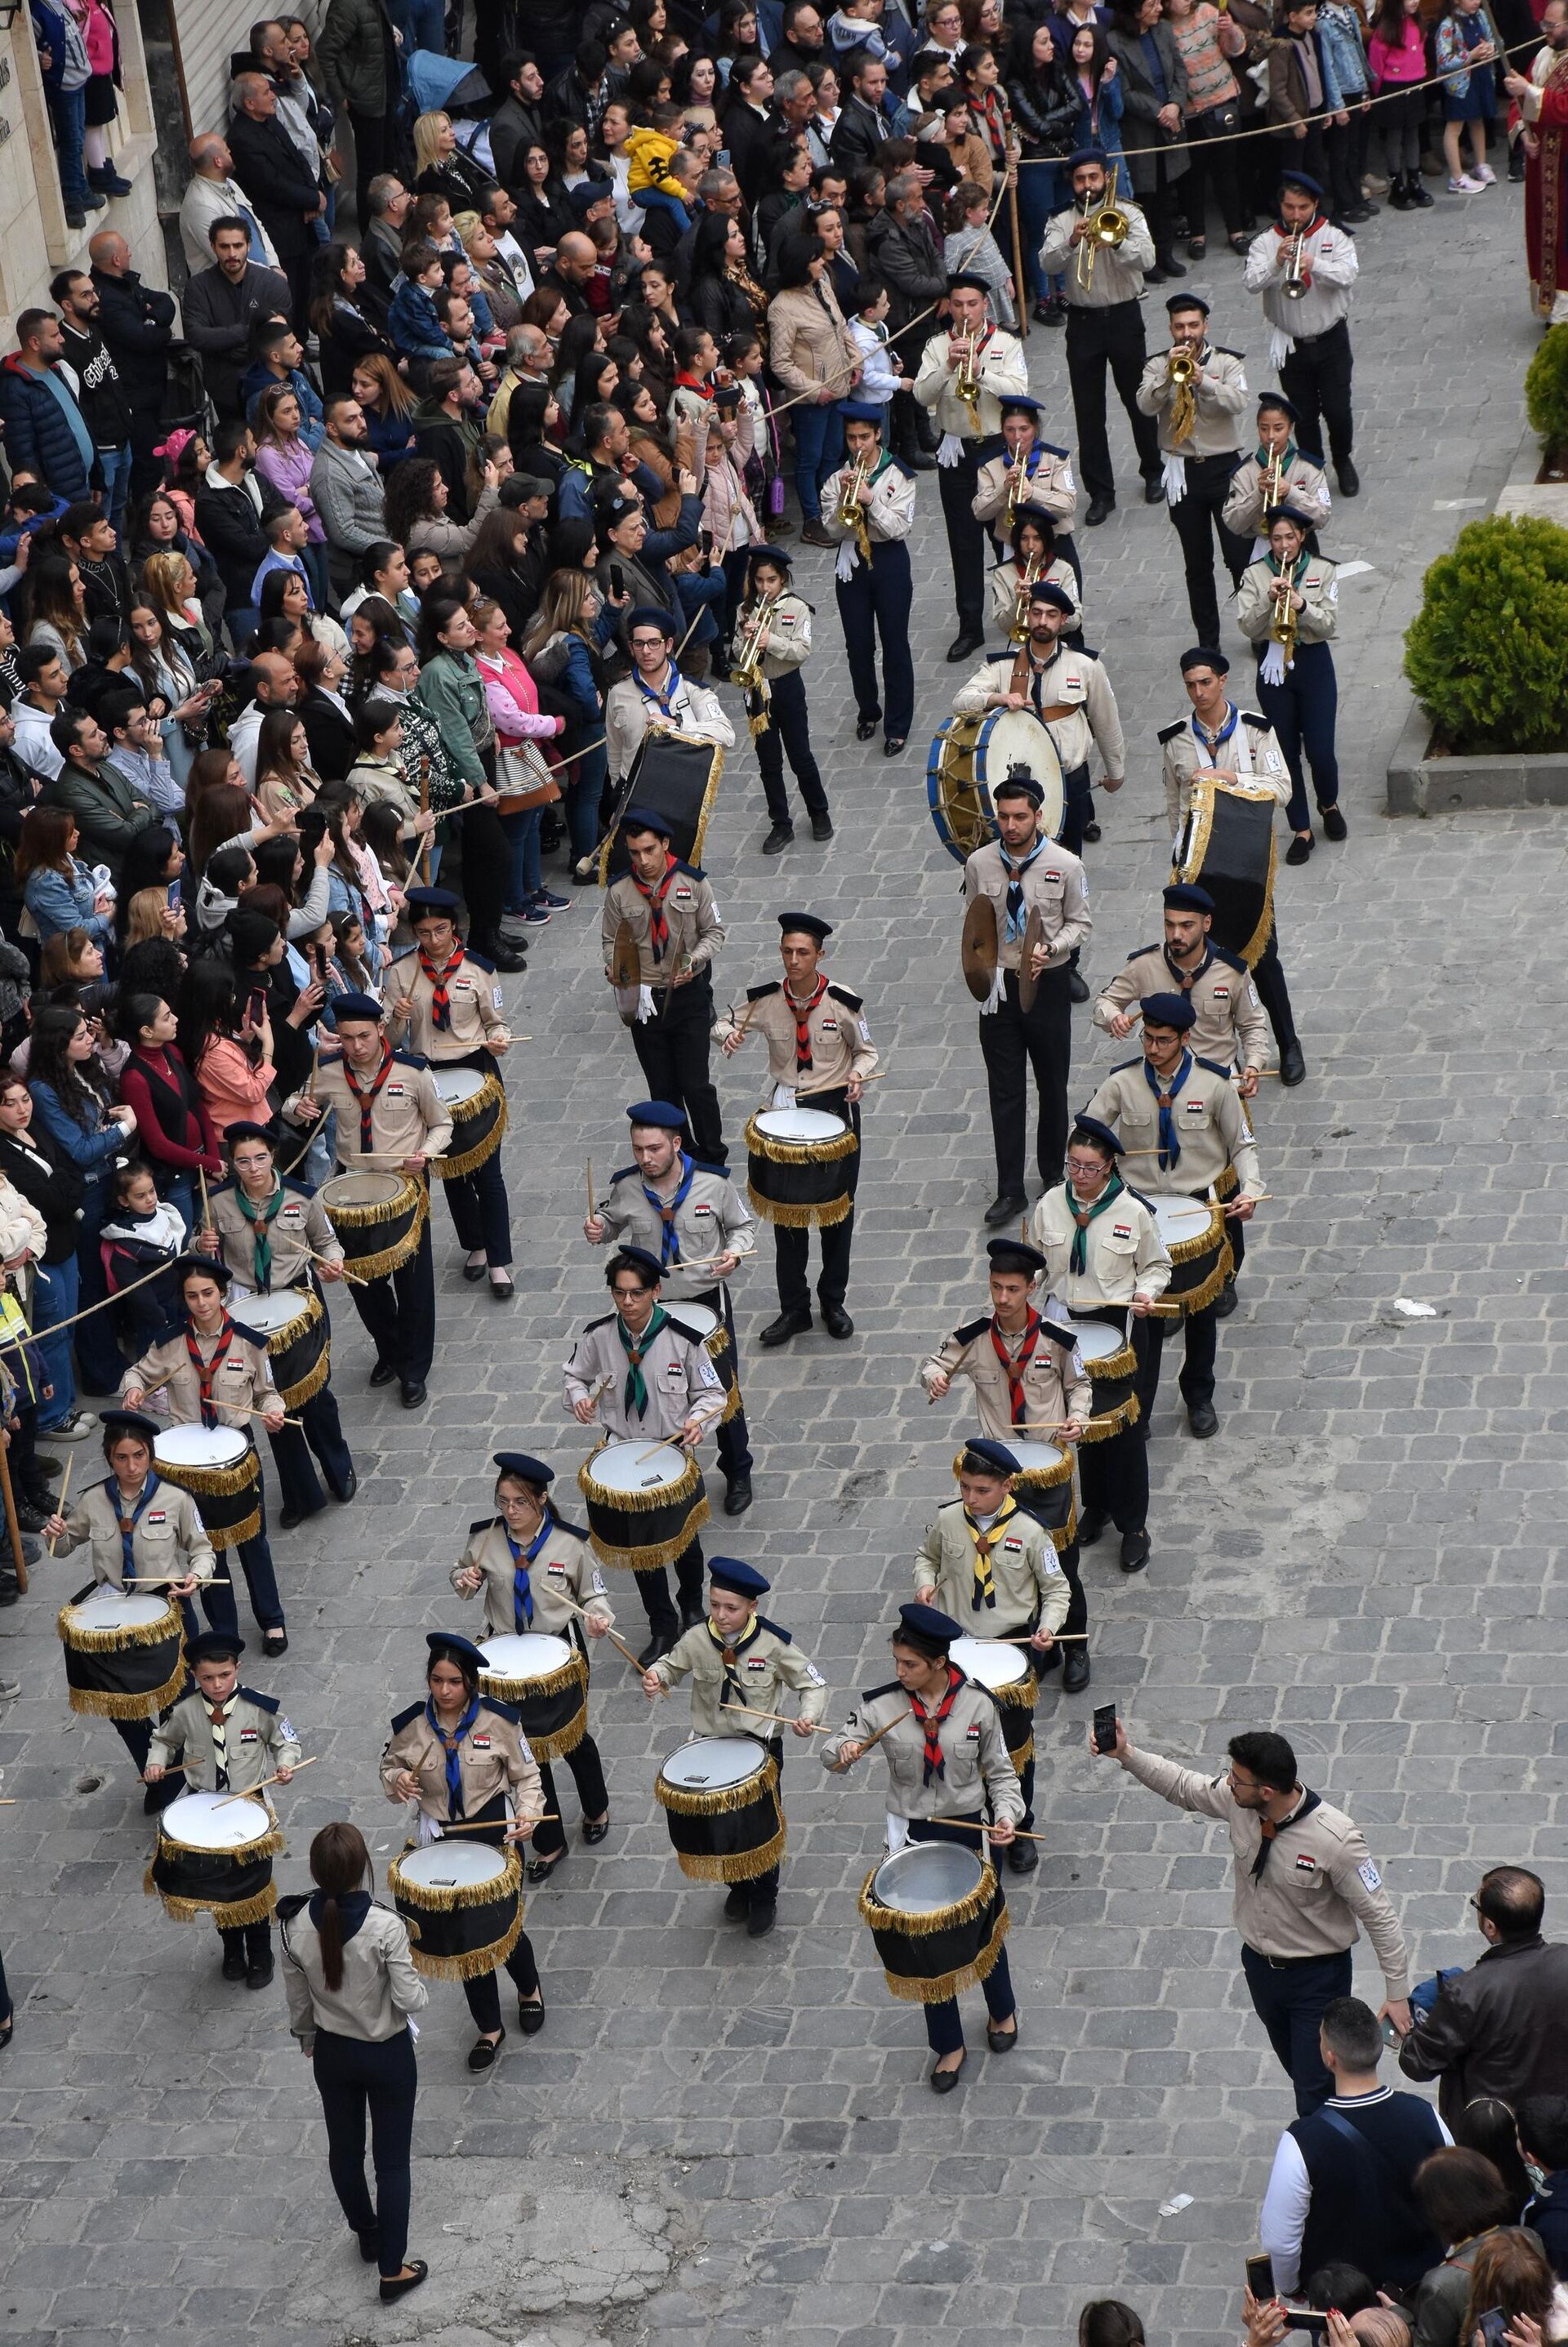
(1303, 1879)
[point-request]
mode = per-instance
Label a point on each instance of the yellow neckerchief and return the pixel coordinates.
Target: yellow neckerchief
(984, 1592)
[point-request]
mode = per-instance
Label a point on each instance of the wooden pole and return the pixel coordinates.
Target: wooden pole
(12, 1526)
(425, 809)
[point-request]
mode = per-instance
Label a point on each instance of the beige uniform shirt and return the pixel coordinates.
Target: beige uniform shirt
(1028, 1584)
(696, 932)
(298, 1230)
(379, 1990)
(258, 1740)
(766, 1662)
(682, 1380)
(1231, 1026)
(1316, 620)
(1048, 486)
(837, 1031)
(695, 715)
(1123, 1248)
(1318, 1884)
(1055, 1383)
(789, 633)
(241, 1379)
(408, 1117)
(1212, 1129)
(474, 994)
(564, 1567)
(890, 512)
(1222, 399)
(1071, 681)
(1004, 583)
(1119, 270)
(712, 1219)
(1306, 488)
(169, 1542)
(493, 1759)
(1053, 885)
(1251, 754)
(977, 1768)
(1000, 367)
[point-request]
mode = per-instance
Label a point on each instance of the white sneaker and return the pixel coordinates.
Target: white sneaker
(1486, 176)
(74, 1429)
(1465, 186)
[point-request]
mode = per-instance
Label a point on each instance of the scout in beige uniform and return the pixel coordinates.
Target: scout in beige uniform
(1303, 1880)
(1104, 290)
(646, 1377)
(1022, 873)
(657, 696)
(1276, 474)
(991, 1565)
(965, 372)
(872, 580)
(1183, 1125)
(739, 1663)
(443, 1001)
(1199, 424)
(669, 908)
(692, 1220)
(529, 1562)
(820, 1051)
(223, 1737)
(1033, 556)
(1069, 692)
(1230, 1025)
(772, 643)
(946, 1758)
(1026, 474)
(391, 1116)
(1286, 606)
(460, 1756)
(1027, 1378)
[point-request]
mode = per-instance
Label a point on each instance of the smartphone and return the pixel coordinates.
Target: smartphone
(1391, 2035)
(1105, 1741)
(705, 540)
(1493, 2327)
(722, 160)
(1306, 2318)
(1260, 2265)
(617, 580)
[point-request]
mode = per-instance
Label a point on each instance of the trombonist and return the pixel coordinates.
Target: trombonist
(1303, 269)
(1104, 284)
(1196, 392)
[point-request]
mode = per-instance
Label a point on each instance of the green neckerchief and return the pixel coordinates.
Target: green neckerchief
(635, 1397)
(258, 1217)
(1082, 1216)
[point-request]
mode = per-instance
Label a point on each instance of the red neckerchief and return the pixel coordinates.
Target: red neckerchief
(931, 1724)
(996, 135)
(1017, 1400)
(440, 1002)
(1287, 235)
(205, 1371)
(802, 1024)
(693, 383)
(367, 1099)
(658, 926)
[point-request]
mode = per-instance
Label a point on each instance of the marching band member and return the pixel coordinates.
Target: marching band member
(965, 371)
(1033, 555)
(738, 1661)
(1026, 474)
(270, 1233)
(1184, 1122)
(1310, 332)
(528, 1562)
(871, 577)
(445, 1003)
(692, 1219)
(946, 1758)
(1295, 680)
(1230, 1025)
(459, 1753)
(644, 1377)
(669, 908)
(1103, 287)
(223, 1737)
(389, 1113)
(1196, 391)
(1071, 693)
(657, 696)
(818, 1044)
(1276, 474)
(991, 1565)
(1101, 1243)
(1023, 872)
(772, 641)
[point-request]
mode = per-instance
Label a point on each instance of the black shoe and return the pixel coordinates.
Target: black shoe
(1300, 848)
(1171, 266)
(1002, 2040)
(1422, 198)
(1358, 213)
(865, 727)
(738, 1498)
(944, 2081)
(763, 1915)
(503, 957)
(349, 1489)
(1292, 1066)
(691, 1613)
(1091, 1525)
(594, 1829)
(1022, 1858)
(1134, 1551)
(836, 1320)
(1075, 1671)
(475, 1271)
(1225, 1302)
(234, 1967)
(738, 1905)
(1056, 311)
(1092, 831)
(893, 746)
(1005, 1207)
(1043, 311)
(1100, 510)
(821, 827)
(30, 1517)
(502, 1290)
(1334, 824)
(656, 1649)
(1400, 197)
(396, 2286)
(540, 1870)
(1202, 1420)
(966, 641)
(778, 839)
(1077, 987)
(413, 1395)
(788, 1325)
(1155, 492)
(531, 2016)
(258, 1976)
(291, 1519)
(1516, 164)
(481, 2056)
(1349, 481)
(918, 461)
(1155, 276)
(382, 1374)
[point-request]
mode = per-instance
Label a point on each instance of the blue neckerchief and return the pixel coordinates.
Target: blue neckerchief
(522, 1594)
(670, 1237)
(1211, 742)
(665, 700)
(353, 1907)
(1014, 926)
(452, 1745)
(127, 1560)
(1170, 1147)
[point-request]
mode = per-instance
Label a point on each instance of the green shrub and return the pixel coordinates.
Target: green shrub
(1486, 653)
(1546, 390)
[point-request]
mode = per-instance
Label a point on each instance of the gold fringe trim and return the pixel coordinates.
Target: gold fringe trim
(477, 1962)
(1033, 1479)
(1123, 1364)
(633, 1504)
(740, 1866)
(1019, 1694)
(1197, 1299)
(909, 1926)
(1190, 1250)
(234, 1535)
(1063, 1535)
(267, 1845)
(1021, 1755)
(465, 1894)
(310, 1385)
(213, 1482)
(733, 1405)
(572, 1672)
(364, 1219)
(721, 1803)
(953, 1983)
(759, 726)
(228, 1918)
(659, 1553)
(796, 1153)
(169, 1624)
(717, 1344)
(566, 1740)
(797, 1218)
(452, 1169)
(1226, 1187)
(1112, 1421)
(278, 1340)
(98, 1703)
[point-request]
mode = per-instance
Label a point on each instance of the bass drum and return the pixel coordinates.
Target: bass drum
(970, 756)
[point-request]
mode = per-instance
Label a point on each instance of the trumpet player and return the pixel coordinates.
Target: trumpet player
(1287, 607)
(1277, 474)
(1196, 393)
(874, 587)
(1105, 327)
(773, 640)
(1034, 557)
(1026, 474)
(965, 372)
(1303, 269)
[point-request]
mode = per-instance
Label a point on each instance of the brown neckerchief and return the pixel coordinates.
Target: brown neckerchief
(1019, 682)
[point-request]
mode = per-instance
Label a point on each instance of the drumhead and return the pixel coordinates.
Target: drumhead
(1035, 1457)
(190, 1445)
(624, 1466)
(264, 1314)
(926, 1875)
(1013, 737)
(697, 1317)
(712, 1761)
(527, 1657)
(1097, 1340)
(1180, 1219)
(799, 1124)
(458, 1084)
(362, 1189)
(989, 1661)
(215, 1821)
(455, 1865)
(107, 1609)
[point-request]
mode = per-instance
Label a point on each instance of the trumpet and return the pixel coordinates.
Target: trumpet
(1281, 626)
(1019, 628)
(1273, 483)
(967, 381)
(1179, 368)
(851, 512)
(1107, 230)
(1293, 285)
(1018, 481)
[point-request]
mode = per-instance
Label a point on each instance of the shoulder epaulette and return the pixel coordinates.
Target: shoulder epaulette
(1139, 951)
(402, 1719)
(1050, 448)
(761, 993)
(1059, 1333)
(603, 1321)
(1225, 351)
(869, 1695)
(624, 1174)
(681, 1327)
(978, 1686)
(842, 994)
(478, 960)
(774, 1629)
(169, 1330)
(291, 1182)
(502, 1710)
(1168, 732)
(1143, 1201)
(261, 1702)
(1215, 1068)
(993, 445)
(1256, 717)
(577, 1532)
(411, 1058)
(1123, 1064)
(1087, 651)
(897, 464)
(702, 1165)
(405, 953)
(1261, 563)
(971, 1329)
(485, 1524)
(216, 1189)
(693, 871)
(1224, 953)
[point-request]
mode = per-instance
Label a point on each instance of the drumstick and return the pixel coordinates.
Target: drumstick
(206, 1209)
(654, 1448)
(969, 1826)
(815, 1725)
(619, 1644)
(276, 1779)
(354, 1278)
(168, 1579)
(261, 1413)
(838, 1768)
(592, 1210)
(65, 1487)
(1026, 1638)
(802, 1091)
(488, 1825)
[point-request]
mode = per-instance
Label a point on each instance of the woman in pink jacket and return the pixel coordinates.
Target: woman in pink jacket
(727, 511)
(284, 461)
(513, 700)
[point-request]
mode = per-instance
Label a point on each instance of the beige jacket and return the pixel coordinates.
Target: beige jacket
(696, 714)
(1055, 1383)
(696, 932)
(1072, 679)
(258, 1740)
(474, 993)
(1122, 1249)
(1231, 1026)
(809, 345)
(1048, 486)
(890, 510)
(1212, 1129)
(564, 1567)
(1000, 367)
(379, 1990)
(1251, 754)
(977, 1768)
(1119, 270)
(837, 1033)
(493, 1759)
(1306, 488)
(1053, 885)
(1004, 583)
(1318, 585)
(712, 1219)
(169, 1542)
(241, 1379)
(299, 1229)
(1222, 399)
(682, 1381)
(409, 1117)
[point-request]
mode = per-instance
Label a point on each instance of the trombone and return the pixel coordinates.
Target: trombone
(851, 512)
(1293, 285)
(1019, 628)
(746, 668)
(1107, 230)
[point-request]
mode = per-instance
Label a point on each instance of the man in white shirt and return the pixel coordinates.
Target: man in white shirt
(36, 706)
(215, 194)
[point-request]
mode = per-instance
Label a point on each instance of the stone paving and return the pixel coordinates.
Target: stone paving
(729, 2140)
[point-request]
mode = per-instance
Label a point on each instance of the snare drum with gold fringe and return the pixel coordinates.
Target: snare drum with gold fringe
(937, 1920)
(645, 1504)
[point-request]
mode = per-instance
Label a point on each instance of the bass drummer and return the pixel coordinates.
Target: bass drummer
(539, 1578)
(214, 1375)
(1070, 694)
(272, 1233)
(445, 1002)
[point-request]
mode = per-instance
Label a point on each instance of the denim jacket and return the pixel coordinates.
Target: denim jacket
(1339, 29)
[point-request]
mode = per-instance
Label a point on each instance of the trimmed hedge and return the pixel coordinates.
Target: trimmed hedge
(1486, 653)
(1546, 391)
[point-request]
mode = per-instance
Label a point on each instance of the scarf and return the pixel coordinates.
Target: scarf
(261, 1218)
(367, 1100)
(730, 1651)
(669, 1236)
(984, 1592)
(218, 1721)
(127, 1524)
(635, 1394)
(206, 1370)
(1213, 741)
(694, 383)
(451, 1745)
(440, 1002)
(1084, 1216)
(522, 1593)
(1309, 1801)
(1015, 918)
(802, 1024)
(740, 276)
(1018, 1404)
(934, 1765)
(1186, 980)
(658, 926)
(353, 1907)
(1170, 1147)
